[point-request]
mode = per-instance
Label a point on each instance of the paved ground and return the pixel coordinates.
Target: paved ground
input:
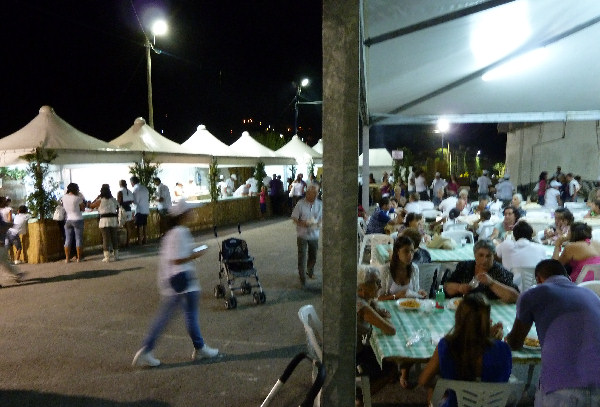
(69, 332)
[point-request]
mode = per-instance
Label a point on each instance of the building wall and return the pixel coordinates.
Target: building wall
(575, 146)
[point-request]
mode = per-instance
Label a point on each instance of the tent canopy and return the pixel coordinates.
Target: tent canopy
(319, 147)
(378, 157)
(48, 130)
(203, 142)
(300, 151)
(143, 138)
(248, 147)
(424, 59)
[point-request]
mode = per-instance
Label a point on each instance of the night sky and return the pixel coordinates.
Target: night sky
(222, 61)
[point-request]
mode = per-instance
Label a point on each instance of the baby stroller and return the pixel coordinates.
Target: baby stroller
(235, 263)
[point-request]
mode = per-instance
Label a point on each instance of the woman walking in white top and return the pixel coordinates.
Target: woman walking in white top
(107, 208)
(125, 199)
(74, 204)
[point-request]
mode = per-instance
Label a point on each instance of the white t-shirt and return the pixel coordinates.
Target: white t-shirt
(521, 253)
(447, 204)
(485, 229)
(176, 244)
(19, 226)
(71, 204)
(420, 184)
(573, 186)
(253, 185)
(414, 207)
(107, 206)
(311, 212)
(297, 188)
(550, 198)
(141, 199)
(164, 193)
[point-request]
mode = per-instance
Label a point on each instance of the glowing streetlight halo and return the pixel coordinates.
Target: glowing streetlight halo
(159, 28)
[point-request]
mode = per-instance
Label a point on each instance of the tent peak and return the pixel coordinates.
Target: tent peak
(139, 122)
(46, 109)
(201, 127)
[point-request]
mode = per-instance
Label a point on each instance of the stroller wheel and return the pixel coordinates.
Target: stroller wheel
(230, 303)
(219, 291)
(259, 298)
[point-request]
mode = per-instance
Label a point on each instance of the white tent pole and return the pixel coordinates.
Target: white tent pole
(365, 168)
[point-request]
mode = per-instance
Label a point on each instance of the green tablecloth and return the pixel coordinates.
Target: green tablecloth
(461, 253)
(437, 323)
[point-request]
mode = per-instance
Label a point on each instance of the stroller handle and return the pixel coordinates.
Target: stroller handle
(239, 229)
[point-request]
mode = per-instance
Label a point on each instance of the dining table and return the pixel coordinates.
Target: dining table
(419, 330)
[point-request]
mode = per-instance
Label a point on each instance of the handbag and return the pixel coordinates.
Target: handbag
(59, 213)
(179, 281)
(122, 216)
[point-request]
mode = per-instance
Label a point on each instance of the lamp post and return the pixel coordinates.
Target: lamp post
(158, 28)
(302, 84)
(443, 126)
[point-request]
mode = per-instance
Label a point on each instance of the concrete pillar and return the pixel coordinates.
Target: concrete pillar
(340, 158)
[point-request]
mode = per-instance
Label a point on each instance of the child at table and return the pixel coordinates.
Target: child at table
(473, 350)
(368, 315)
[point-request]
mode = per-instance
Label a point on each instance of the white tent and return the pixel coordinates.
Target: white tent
(204, 142)
(319, 147)
(141, 137)
(49, 131)
(300, 151)
(378, 157)
(248, 147)
(425, 59)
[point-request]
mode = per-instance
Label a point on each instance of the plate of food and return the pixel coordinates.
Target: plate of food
(409, 304)
(532, 343)
(452, 303)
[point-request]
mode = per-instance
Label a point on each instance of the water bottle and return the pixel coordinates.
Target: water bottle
(440, 297)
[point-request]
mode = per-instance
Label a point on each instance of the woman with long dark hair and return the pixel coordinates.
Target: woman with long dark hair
(74, 204)
(108, 224)
(472, 350)
(541, 187)
(176, 260)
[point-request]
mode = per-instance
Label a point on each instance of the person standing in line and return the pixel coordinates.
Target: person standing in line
(108, 224)
(125, 200)
(567, 320)
(438, 184)
(262, 196)
(307, 216)
(163, 200)
(176, 256)
(298, 189)
(74, 203)
(254, 187)
(505, 190)
(483, 184)
(275, 190)
(141, 200)
(231, 184)
(19, 228)
(421, 186)
(573, 187)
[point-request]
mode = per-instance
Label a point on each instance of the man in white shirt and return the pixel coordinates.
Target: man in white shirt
(141, 201)
(483, 184)
(421, 186)
(413, 203)
(307, 216)
(163, 203)
(253, 186)
(552, 196)
(447, 204)
(231, 184)
(520, 252)
(438, 184)
(574, 187)
(504, 190)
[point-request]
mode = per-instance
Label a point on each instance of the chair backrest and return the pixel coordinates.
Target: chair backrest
(458, 235)
(592, 285)
(372, 240)
(454, 226)
(575, 205)
(313, 327)
(526, 275)
(431, 213)
(596, 234)
(361, 224)
(477, 394)
(486, 231)
(594, 268)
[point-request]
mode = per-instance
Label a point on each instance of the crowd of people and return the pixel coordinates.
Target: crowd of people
(475, 349)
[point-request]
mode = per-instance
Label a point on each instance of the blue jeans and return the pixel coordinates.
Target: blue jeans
(189, 303)
(575, 397)
(77, 226)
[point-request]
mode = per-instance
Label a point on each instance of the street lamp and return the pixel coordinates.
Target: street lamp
(443, 126)
(158, 28)
(304, 83)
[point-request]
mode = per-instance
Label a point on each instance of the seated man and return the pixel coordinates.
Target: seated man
(482, 275)
(520, 252)
(567, 320)
(413, 203)
(448, 203)
(380, 218)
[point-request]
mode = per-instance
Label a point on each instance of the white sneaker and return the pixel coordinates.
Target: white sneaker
(145, 358)
(18, 262)
(204, 352)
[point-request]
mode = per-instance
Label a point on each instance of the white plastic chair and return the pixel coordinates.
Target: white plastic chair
(361, 229)
(524, 277)
(592, 285)
(478, 394)
(431, 214)
(450, 225)
(594, 268)
(486, 232)
(371, 241)
(575, 205)
(426, 205)
(313, 327)
(458, 235)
